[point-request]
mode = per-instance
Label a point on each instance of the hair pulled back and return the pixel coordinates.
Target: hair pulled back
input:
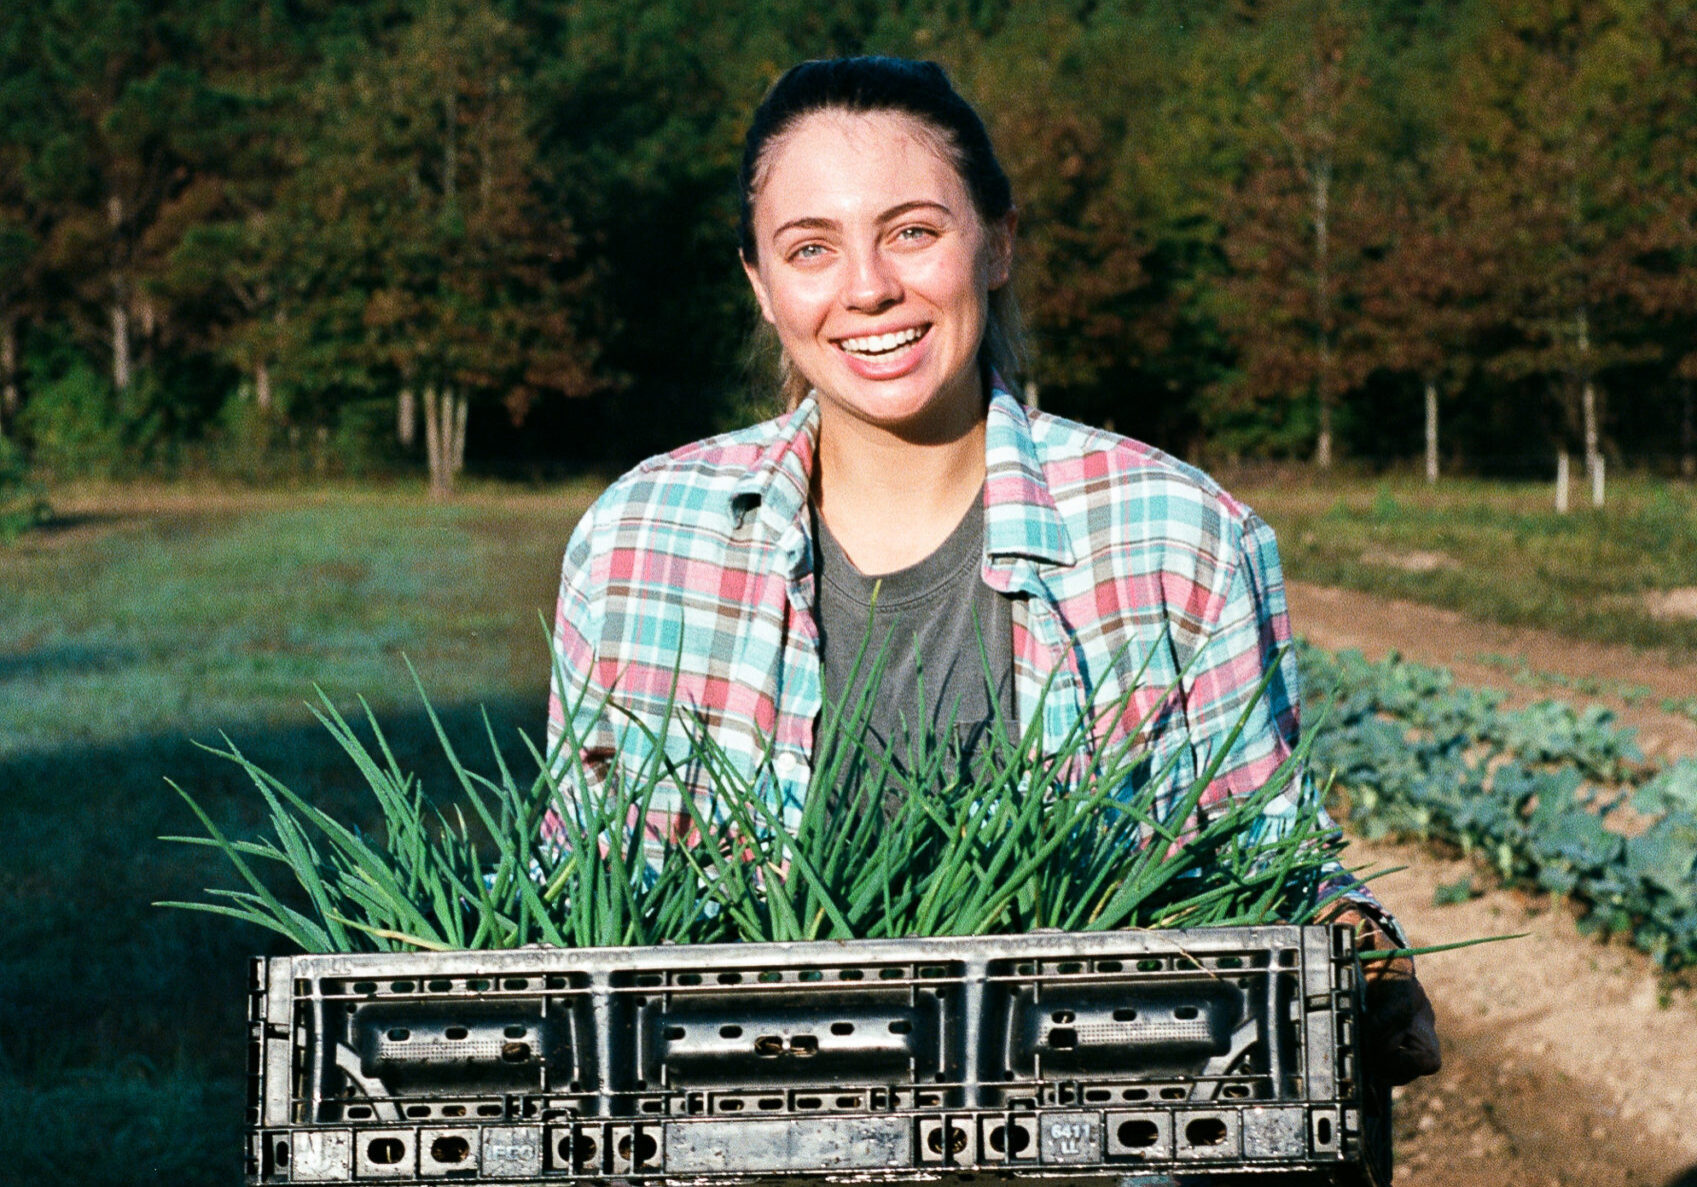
(921, 91)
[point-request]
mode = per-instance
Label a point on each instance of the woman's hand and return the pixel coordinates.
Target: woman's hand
(1400, 1039)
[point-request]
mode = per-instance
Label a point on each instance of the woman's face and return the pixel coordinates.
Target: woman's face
(876, 270)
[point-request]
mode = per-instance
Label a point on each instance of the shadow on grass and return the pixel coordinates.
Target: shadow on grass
(123, 1025)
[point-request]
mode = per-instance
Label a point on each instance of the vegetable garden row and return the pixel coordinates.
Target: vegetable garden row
(1553, 797)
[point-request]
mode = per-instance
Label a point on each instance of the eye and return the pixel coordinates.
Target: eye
(807, 252)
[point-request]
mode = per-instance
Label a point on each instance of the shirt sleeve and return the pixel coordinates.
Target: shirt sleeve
(1250, 644)
(576, 700)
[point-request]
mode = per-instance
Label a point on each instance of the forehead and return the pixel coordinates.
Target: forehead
(837, 163)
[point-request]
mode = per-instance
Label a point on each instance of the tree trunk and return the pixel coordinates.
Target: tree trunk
(445, 416)
(262, 386)
(1431, 431)
(1323, 378)
(1561, 482)
(121, 367)
(9, 372)
(1031, 396)
(1587, 392)
(406, 418)
(1687, 435)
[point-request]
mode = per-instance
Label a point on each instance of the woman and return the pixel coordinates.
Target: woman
(737, 575)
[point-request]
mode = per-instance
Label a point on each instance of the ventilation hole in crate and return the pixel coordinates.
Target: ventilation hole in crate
(1134, 1094)
(1287, 958)
(455, 1033)
(957, 1140)
(648, 980)
(674, 1033)
(900, 1026)
(730, 1031)
(418, 1110)
(890, 974)
(1175, 1094)
(1062, 1016)
(1186, 1013)
(400, 987)
(1323, 1130)
(646, 1147)
(928, 1100)
(653, 1106)
(1025, 968)
(1069, 966)
(804, 1045)
(513, 1051)
(1206, 1131)
(584, 1150)
(358, 1113)
(769, 1045)
(880, 1099)
(1022, 1102)
(933, 970)
(280, 1154)
(1139, 1135)
(771, 1103)
(1108, 966)
(453, 1110)
(1230, 962)
(1125, 1014)
(730, 978)
(851, 975)
(1018, 1140)
(770, 976)
(627, 1146)
(1235, 1091)
(365, 987)
(514, 1030)
(1063, 1037)
(385, 1151)
(842, 1028)
(516, 983)
(478, 985)
(555, 982)
(1148, 965)
(689, 978)
(810, 975)
(399, 1034)
(997, 1138)
(733, 1105)
(491, 1111)
(848, 1102)
(697, 1105)
(450, 1149)
(440, 985)
(808, 1102)
(1095, 1096)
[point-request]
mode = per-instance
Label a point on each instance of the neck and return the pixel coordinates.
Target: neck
(888, 500)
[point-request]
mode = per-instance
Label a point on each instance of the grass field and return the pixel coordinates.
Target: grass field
(144, 621)
(1499, 551)
(126, 637)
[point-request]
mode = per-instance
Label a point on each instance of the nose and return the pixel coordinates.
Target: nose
(870, 284)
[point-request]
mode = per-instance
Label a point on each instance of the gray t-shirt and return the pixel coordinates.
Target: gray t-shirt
(935, 619)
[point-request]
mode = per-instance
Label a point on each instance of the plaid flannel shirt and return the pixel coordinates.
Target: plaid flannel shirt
(690, 582)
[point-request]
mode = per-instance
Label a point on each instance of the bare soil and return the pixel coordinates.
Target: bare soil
(1566, 1061)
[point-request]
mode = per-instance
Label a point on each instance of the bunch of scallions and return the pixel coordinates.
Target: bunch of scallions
(1082, 838)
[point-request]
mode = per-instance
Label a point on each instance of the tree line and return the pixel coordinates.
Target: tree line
(372, 232)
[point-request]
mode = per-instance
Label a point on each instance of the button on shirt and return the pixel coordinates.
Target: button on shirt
(689, 586)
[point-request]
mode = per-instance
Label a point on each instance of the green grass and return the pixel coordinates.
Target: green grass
(124, 640)
(1497, 551)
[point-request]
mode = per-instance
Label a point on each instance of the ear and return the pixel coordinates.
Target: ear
(1001, 248)
(761, 296)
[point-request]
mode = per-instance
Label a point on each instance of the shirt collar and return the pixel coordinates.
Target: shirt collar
(1021, 519)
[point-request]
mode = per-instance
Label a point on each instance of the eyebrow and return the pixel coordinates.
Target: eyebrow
(815, 223)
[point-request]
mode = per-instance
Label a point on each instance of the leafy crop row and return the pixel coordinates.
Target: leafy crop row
(1551, 796)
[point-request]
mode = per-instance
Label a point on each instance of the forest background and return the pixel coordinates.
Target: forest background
(304, 237)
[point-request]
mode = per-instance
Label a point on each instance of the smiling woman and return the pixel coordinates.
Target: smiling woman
(1015, 575)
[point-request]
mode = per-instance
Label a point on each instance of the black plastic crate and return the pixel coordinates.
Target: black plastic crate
(1106, 1057)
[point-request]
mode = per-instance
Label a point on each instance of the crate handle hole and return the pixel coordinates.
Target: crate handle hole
(842, 1028)
(1139, 1135)
(450, 1149)
(730, 1032)
(1206, 1131)
(385, 1151)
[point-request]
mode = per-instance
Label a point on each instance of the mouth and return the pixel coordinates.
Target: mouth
(878, 346)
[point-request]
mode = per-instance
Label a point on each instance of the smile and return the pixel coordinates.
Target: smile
(876, 345)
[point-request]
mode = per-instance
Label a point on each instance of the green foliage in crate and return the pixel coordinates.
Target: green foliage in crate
(1022, 840)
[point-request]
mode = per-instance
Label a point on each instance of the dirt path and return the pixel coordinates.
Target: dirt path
(1567, 1062)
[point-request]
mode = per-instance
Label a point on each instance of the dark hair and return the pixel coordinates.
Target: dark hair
(917, 89)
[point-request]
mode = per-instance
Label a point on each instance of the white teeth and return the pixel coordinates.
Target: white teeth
(883, 343)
